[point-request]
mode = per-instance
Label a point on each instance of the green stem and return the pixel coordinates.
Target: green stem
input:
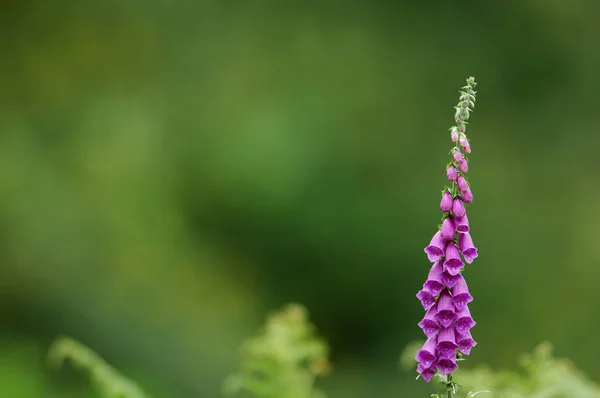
(450, 387)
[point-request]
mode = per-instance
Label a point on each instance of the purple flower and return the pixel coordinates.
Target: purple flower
(451, 173)
(448, 229)
(426, 355)
(457, 156)
(446, 203)
(462, 183)
(434, 284)
(427, 300)
(449, 280)
(465, 342)
(467, 148)
(426, 373)
(453, 263)
(462, 139)
(445, 310)
(436, 247)
(466, 194)
(458, 208)
(462, 224)
(466, 247)
(465, 322)
(446, 343)
(429, 324)
(460, 294)
(463, 165)
(447, 365)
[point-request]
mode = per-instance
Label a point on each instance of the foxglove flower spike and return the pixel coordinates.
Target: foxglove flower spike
(445, 295)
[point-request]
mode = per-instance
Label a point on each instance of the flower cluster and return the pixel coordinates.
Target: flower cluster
(445, 295)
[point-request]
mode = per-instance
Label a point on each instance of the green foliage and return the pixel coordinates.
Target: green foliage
(109, 382)
(540, 376)
(283, 360)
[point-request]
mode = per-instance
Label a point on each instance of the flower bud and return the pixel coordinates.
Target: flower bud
(462, 139)
(462, 183)
(467, 148)
(466, 195)
(458, 208)
(451, 173)
(463, 166)
(446, 203)
(457, 155)
(447, 229)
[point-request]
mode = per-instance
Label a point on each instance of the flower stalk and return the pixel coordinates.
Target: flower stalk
(445, 295)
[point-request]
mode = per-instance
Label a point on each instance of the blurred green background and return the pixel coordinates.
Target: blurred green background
(172, 170)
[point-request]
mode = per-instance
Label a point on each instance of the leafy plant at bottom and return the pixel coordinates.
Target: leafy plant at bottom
(540, 375)
(283, 360)
(109, 382)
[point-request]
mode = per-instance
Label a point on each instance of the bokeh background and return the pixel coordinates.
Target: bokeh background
(170, 171)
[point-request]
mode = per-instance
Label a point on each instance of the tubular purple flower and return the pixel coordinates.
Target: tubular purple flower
(465, 342)
(465, 322)
(448, 229)
(429, 324)
(427, 300)
(449, 280)
(457, 156)
(426, 373)
(426, 355)
(434, 284)
(462, 139)
(465, 243)
(436, 247)
(446, 343)
(451, 173)
(458, 208)
(460, 294)
(462, 224)
(467, 148)
(462, 183)
(447, 365)
(463, 165)
(445, 310)
(467, 195)
(453, 263)
(446, 203)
